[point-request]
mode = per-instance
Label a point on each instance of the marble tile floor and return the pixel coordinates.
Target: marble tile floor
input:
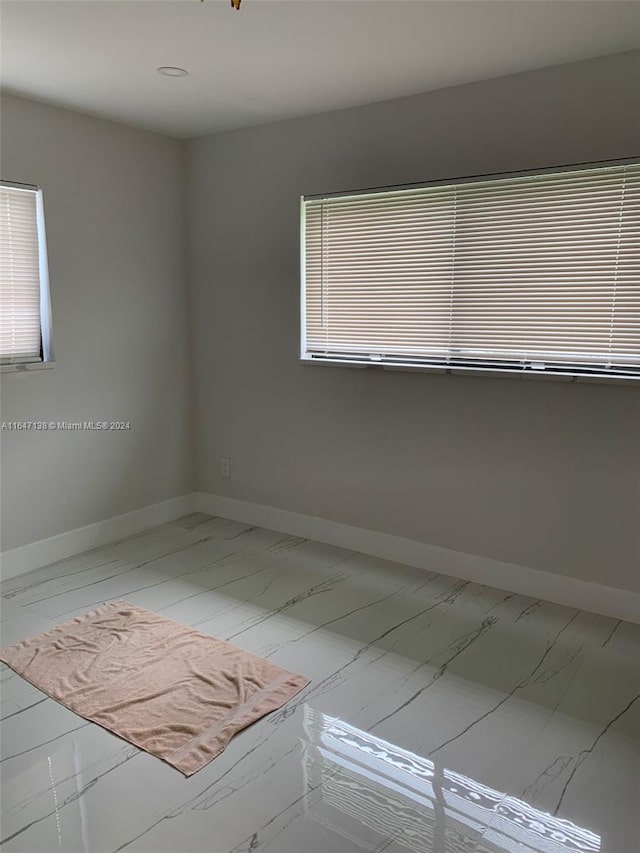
(442, 716)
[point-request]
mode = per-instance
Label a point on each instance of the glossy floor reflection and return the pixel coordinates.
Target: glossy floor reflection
(442, 716)
(409, 799)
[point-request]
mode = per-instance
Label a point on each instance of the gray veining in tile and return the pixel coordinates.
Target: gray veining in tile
(442, 716)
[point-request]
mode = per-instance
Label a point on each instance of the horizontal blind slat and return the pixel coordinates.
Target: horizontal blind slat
(19, 274)
(539, 264)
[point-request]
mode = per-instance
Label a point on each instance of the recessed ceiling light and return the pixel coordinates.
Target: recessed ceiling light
(172, 71)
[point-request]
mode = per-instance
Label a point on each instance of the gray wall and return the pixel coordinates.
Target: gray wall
(115, 226)
(532, 472)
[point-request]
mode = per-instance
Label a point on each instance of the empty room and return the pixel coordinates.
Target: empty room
(320, 426)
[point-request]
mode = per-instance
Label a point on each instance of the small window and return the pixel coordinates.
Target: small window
(25, 318)
(527, 273)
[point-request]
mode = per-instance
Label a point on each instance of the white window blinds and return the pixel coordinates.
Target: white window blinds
(22, 269)
(536, 272)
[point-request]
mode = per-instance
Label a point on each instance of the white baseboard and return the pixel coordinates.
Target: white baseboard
(45, 551)
(584, 595)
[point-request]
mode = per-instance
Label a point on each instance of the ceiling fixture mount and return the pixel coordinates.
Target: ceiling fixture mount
(235, 4)
(172, 71)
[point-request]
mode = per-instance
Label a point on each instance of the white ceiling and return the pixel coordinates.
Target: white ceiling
(274, 60)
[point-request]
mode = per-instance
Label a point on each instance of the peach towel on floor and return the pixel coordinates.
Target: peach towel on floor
(170, 690)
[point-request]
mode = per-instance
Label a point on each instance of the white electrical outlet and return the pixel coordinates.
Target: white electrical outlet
(225, 467)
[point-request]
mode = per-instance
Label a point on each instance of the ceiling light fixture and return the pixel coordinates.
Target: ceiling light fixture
(235, 4)
(172, 71)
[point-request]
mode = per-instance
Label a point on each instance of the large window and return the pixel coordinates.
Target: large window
(530, 273)
(25, 323)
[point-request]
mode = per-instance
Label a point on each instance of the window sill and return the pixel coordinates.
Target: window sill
(506, 373)
(27, 367)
